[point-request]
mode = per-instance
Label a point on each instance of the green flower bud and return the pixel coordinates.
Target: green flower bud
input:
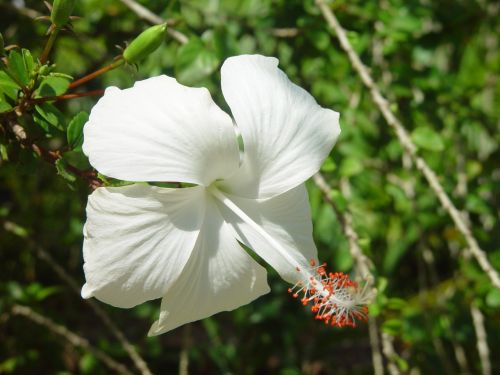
(147, 42)
(61, 10)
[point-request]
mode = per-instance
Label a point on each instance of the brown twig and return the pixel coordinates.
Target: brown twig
(97, 73)
(71, 337)
(53, 32)
(408, 145)
(67, 96)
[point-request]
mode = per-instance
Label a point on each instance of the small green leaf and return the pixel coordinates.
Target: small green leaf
(350, 167)
(7, 82)
(62, 170)
(392, 326)
(51, 114)
(17, 68)
(396, 304)
(4, 155)
(493, 298)
(328, 165)
(428, 139)
(338, 199)
(75, 130)
(195, 62)
(52, 86)
(29, 63)
(77, 159)
(61, 11)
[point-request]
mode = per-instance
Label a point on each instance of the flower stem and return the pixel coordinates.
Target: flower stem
(50, 43)
(97, 73)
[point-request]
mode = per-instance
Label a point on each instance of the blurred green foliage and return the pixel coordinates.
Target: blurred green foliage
(438, 63)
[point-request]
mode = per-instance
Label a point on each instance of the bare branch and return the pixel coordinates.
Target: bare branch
(482, 340)
(139, 363)
(71, 337)
(378, 363)
(390, 354)
(408, 145)
(363, 264)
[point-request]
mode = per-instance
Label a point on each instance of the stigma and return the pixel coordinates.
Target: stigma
(333, 297)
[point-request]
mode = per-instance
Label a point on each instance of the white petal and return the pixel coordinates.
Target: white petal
(220, 276)
(160, 130)
(138, 239)
(287, 219)
(286, 134)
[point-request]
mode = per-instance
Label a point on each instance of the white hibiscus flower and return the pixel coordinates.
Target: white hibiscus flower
(144, 242)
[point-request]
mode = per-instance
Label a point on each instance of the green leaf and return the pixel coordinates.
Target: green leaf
(428, 139)
(29, 63)
(396, 304)
(17, 68)
(62, 170)
(7, 82)
(392, 326)
(328, 165)
(52, 86)
(75, 130)
(51, 115)
(339, 200)
(8, 92)
(195, 62)
(493, 298)
(77, 159)
(350, 167)
(4, 155)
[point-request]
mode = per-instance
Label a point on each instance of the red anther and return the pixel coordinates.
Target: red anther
(297, 269)
(334, 298)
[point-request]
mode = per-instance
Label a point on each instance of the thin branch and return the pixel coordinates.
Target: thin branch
(139, 363)
(68, 96)
(149, 16)
(345, 218)
(363, 264)
(390, 354)
(482, 339)
(71, 337)
(378, 363)
(408, 145)
(97, 73)
(184, 353)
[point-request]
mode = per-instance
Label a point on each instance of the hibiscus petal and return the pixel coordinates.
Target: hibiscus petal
(160, 130)
(286, 134)
(138, 239)
(287, 219)
(220, 276)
